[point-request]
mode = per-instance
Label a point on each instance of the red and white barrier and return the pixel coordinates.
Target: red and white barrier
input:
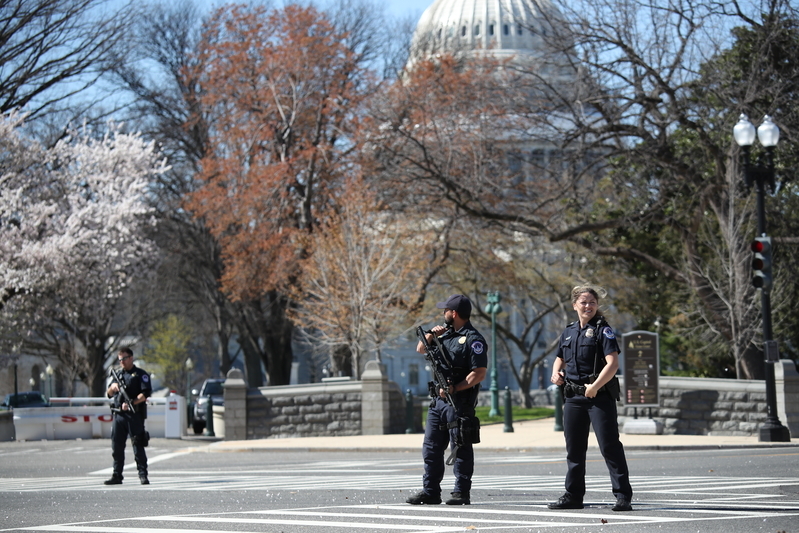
(90, 418)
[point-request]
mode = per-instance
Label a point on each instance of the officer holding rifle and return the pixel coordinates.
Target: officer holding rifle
(462, 351)
(130, 387)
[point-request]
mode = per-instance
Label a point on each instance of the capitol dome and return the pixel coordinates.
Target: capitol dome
(501, 28)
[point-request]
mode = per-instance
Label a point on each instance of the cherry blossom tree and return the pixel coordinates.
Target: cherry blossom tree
(73, 241)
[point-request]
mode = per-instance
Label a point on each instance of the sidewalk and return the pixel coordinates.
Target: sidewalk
(527, 436)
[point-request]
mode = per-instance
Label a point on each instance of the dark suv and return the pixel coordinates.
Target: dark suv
(25, 399)
(212, 387)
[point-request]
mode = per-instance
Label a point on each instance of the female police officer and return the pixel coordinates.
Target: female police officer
(582, 347)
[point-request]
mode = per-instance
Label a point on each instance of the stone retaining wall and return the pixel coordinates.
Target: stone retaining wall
(311, 411)
(704, 406)
(332, 408)
(688, 406)
(700, 406)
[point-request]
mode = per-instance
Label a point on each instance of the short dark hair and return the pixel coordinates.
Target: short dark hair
(127, 351)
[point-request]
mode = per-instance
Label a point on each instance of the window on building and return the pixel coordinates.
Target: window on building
(491, 29)
(413, 374)
(463, 31)
(477, 29)
(506, 29)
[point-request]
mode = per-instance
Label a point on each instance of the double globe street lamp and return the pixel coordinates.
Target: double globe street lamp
(769, 134)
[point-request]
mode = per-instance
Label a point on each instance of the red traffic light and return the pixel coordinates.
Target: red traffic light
(761, 263)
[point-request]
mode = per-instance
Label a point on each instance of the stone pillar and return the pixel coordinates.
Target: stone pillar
(375, 400)
(786, 381)
(235, 405)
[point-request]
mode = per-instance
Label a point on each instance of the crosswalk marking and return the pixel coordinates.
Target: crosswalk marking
(421, 519)
(707, 486)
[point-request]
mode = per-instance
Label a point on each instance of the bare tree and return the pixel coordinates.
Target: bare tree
(54, 50)
(363, 278)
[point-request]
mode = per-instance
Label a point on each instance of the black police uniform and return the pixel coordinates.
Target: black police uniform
(137, 381)
(467, 348)
(578, 349)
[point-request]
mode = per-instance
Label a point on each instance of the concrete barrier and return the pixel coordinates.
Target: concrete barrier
(6, 426)
(90, 418)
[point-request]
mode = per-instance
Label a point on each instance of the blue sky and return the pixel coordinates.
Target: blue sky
(398, 8)
(408, 7)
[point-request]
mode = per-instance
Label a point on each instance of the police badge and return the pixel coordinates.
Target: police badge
(589, 333)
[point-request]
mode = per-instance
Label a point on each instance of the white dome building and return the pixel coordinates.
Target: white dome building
(503, 29)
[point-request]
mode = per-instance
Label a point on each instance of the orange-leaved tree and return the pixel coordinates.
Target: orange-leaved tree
(280, 89)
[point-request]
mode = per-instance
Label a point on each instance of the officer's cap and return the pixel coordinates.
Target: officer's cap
(458, 303)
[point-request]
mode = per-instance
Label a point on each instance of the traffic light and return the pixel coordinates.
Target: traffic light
(761, 263)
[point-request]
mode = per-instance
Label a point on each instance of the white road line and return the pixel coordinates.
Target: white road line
(21, 452)
(132, 465)
(396, 517)
(706, 489)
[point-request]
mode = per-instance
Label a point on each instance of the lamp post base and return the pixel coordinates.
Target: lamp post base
(771, 432)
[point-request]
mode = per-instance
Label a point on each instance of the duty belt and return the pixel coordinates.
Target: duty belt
(572, 389)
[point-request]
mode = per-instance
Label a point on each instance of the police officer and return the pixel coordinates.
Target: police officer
(582, 347)
(127, 423)
(467, 349)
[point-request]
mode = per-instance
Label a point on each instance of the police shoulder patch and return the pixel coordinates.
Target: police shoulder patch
(145, 378)
(477, 347)
(609, 333)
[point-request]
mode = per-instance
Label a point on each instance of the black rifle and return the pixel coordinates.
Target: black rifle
(442, 367)
(121, 384)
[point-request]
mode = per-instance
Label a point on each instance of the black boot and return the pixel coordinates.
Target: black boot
(567, 501)
(115, 480)
(622, 504)
(424, 499)
(459, 498)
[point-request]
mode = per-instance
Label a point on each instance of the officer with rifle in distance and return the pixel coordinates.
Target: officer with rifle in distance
(130, 387)
(457, 354)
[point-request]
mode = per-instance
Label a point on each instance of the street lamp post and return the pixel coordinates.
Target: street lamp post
(189, 406)
(189, 368)
(493, 308)
(50, 371)
(769, 134)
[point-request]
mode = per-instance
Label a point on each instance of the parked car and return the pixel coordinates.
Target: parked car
(212, 388)
(25, 399)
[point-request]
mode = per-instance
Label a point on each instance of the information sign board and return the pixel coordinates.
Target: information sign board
(641, 359)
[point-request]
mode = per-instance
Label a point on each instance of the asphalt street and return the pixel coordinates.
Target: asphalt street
(199, 486)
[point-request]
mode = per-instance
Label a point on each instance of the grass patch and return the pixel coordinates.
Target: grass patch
(519, 413)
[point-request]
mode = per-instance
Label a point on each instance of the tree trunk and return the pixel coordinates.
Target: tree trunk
(751, 365)
(277, 336)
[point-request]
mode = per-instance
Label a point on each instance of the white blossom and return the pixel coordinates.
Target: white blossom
(73, 218)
